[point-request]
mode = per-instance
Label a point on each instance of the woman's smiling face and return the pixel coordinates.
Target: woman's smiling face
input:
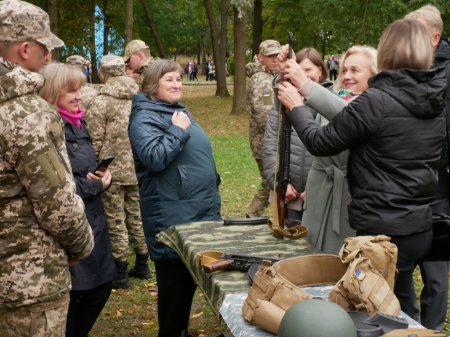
(169, 87)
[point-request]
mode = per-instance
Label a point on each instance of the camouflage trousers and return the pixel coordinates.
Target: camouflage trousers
(121, 203)
(260, 200)
(47, 319)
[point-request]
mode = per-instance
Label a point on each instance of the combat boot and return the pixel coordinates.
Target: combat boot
(121, 280)
(141, 269)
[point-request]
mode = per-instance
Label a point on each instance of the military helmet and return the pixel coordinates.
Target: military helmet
(316, 318)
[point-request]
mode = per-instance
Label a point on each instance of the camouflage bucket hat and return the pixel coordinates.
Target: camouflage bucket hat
(112, 66)
(269, 47)
(76, 60)
(21, 21)
(133, 47)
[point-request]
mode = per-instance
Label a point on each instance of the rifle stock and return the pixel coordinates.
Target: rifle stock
(281, 181)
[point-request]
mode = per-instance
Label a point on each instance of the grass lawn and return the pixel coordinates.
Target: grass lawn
(133, 312)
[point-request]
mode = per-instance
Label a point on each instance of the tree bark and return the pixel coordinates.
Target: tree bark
(257, 26)
(219, 44)
(107, 26)
(154, 30)
(240, 46)
(93, 52)
(128, 21)
(53, 10)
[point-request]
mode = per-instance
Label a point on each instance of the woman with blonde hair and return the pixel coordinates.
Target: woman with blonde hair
(392, 173)
(91, 277)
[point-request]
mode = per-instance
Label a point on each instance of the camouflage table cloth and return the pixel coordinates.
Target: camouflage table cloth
(187, 240)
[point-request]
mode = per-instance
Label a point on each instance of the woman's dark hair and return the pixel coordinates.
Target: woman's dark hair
(314, 56)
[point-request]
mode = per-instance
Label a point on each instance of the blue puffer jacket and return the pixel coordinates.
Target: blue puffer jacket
(178, 181)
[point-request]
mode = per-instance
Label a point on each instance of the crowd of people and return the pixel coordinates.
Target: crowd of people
(357, 165)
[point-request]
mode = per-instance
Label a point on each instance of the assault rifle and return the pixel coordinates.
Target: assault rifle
(281, 181)
(239, 262)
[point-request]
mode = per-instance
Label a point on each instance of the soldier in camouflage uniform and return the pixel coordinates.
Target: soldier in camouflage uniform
(137, 58)
(108, 126)
(88, 92)
(259, 102)
(43, 227)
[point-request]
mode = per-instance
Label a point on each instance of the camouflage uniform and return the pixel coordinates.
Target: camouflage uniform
(259, 103)
(88, 91)
(135, 46)
(108, 126)
(42, 220)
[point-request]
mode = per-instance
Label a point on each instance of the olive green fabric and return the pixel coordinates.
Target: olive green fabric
(188, 240)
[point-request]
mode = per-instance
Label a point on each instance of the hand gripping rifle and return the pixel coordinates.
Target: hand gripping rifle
(280, 225)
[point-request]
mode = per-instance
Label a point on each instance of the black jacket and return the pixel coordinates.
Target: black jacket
(395, 132)
(442, 59)
(98, 268)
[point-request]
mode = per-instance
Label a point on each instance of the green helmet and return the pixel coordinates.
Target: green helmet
(316, 318)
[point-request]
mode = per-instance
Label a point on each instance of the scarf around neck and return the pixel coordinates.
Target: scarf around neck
(72, 118)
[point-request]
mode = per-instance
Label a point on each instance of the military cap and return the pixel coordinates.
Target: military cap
(269, 47)
(112, 66)
(133, 47)
(76, 60)
(22, 21)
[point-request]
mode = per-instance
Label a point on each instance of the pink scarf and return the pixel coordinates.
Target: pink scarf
(72, 118)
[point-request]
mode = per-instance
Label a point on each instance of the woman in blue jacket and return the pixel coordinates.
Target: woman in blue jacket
(178, 183)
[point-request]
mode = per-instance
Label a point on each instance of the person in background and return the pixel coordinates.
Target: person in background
(178, 183)
(259, 103)
(434, 295)
(325, 208)
(43, 227)
(333, 67)
(300, 159)
(91, 277)
(88, 92)
(107, 122)
(137, 58)
(391, 186)
(194, 71)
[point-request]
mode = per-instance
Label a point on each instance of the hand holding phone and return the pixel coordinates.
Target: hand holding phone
(103, 164)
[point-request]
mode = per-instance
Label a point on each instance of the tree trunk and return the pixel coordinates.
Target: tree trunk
(107, 26)
(92, 50)
(240, 46)
(151, 24)
(53, 10)
(128, 21)
(219, 44)
(257, 26)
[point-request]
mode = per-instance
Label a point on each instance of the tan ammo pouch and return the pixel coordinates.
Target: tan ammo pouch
(276, 288)
(369, 280)
(414, 332)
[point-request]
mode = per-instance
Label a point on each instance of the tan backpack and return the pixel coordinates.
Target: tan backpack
(368, 283)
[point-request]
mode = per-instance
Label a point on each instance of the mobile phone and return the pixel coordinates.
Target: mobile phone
(104, 163)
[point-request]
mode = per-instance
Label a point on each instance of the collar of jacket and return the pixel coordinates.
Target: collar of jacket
(120, 87)
(142, 102)
(16, 81)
